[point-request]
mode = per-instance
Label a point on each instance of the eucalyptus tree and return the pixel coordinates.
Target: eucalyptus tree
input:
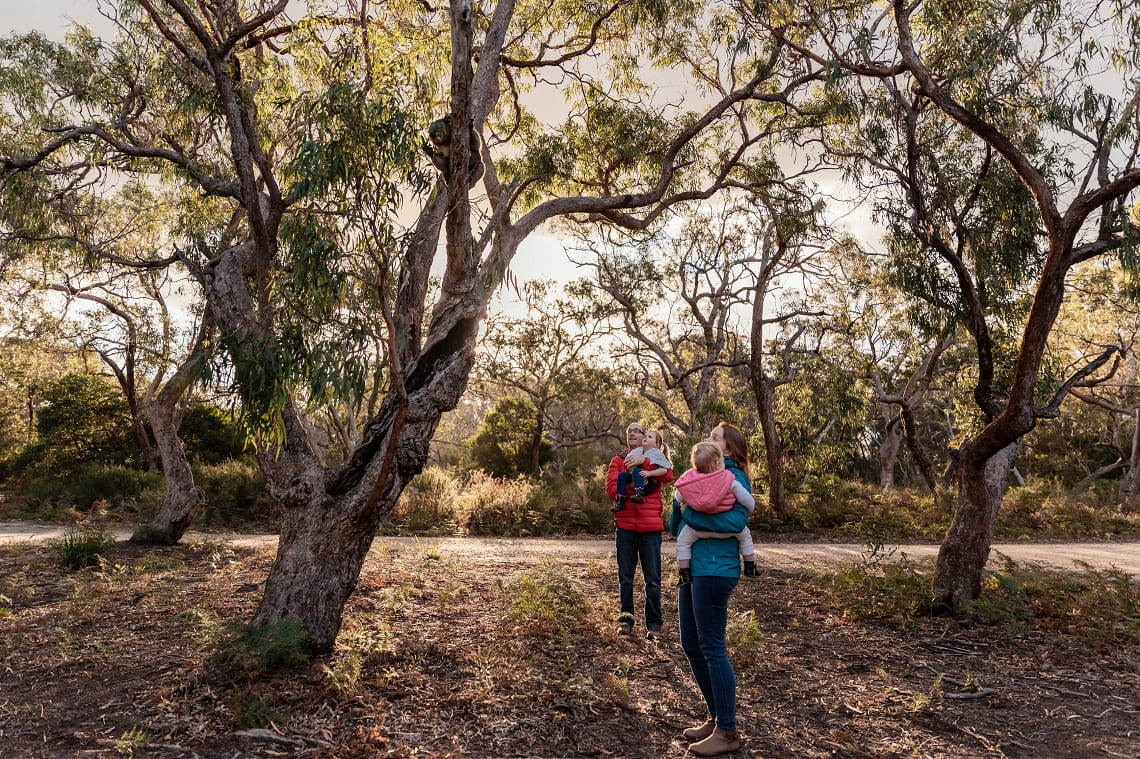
(1100, 420)
(550, 355)
(115, 321)
(101, 248)
(868, 330)
(32, 357)
(305, 132)
(1040, 100)
(720, 294)
(784, 243)
(674, 294)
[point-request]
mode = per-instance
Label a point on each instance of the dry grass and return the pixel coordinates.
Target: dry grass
(449, 656)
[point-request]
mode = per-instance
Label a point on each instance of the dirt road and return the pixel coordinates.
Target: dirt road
(789, 556)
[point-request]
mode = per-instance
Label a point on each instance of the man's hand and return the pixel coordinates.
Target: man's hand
(632, 461)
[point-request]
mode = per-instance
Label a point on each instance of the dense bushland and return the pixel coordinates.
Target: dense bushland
(83, 461)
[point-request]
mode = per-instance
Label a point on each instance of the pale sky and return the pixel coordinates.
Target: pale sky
(52, 17)
(541, 256)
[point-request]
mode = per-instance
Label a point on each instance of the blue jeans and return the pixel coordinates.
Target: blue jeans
(634, 476)
(645, 547)
(703, 611)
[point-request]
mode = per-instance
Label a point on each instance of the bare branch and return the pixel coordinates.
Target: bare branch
(1053, 408)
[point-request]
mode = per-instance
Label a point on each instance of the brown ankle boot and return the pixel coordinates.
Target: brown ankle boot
(700, 732)
(720, 742)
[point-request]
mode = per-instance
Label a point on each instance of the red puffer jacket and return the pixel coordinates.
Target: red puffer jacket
(637, 517)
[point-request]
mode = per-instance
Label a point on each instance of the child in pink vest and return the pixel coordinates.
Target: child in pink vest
(710, 488)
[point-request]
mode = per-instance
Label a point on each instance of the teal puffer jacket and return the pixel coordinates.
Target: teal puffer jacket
(714, 557)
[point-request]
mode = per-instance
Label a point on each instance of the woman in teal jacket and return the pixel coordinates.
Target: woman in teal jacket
(702, 606)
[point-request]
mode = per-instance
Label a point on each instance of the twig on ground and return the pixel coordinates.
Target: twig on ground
(946, 678)
(985, 741)
(262, 734)
(974, 694)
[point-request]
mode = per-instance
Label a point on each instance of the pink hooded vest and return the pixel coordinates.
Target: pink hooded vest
(710, 493)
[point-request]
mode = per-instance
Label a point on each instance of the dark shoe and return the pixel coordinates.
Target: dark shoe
(749, 569)
(653, 634)
(619, 505)
(625, 625)
(720, 742)
(684, 576)
(700, 732)
(638, 496)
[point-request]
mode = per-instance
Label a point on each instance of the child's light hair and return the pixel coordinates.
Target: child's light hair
(706, 457)
(659, 440)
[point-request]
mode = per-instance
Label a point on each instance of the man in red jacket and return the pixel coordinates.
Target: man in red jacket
(639, 528)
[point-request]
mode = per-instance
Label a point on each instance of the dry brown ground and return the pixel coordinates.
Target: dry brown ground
(86, 657)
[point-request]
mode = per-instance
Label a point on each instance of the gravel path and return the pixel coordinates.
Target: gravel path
(1124, 556)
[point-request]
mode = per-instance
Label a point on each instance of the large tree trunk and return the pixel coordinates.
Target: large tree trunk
(966, 549)
(319, 555)
(182, 500)
(328, 529)
(773, 447)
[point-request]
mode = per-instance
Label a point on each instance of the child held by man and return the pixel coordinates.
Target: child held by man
(654, 455)
(710, 488)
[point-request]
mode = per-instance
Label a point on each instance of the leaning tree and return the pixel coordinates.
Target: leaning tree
(1051, 95)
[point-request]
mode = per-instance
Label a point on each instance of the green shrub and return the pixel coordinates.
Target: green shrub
(344, 674)
(1043, 507)
(876, 589)
(121, 488)
(502, 445)
(132, 741)
(582, 501)
(235, 493)
(526, 507)
(1100, 605)
(210, 435)
(243, 649)
(83, 548)
(252, 711)
(492, 506)
(546, 599)
(427, 505)
(84, 419)
(865, 512)
(745, 638)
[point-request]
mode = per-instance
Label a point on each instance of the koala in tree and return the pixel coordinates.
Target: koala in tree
(438, 148)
